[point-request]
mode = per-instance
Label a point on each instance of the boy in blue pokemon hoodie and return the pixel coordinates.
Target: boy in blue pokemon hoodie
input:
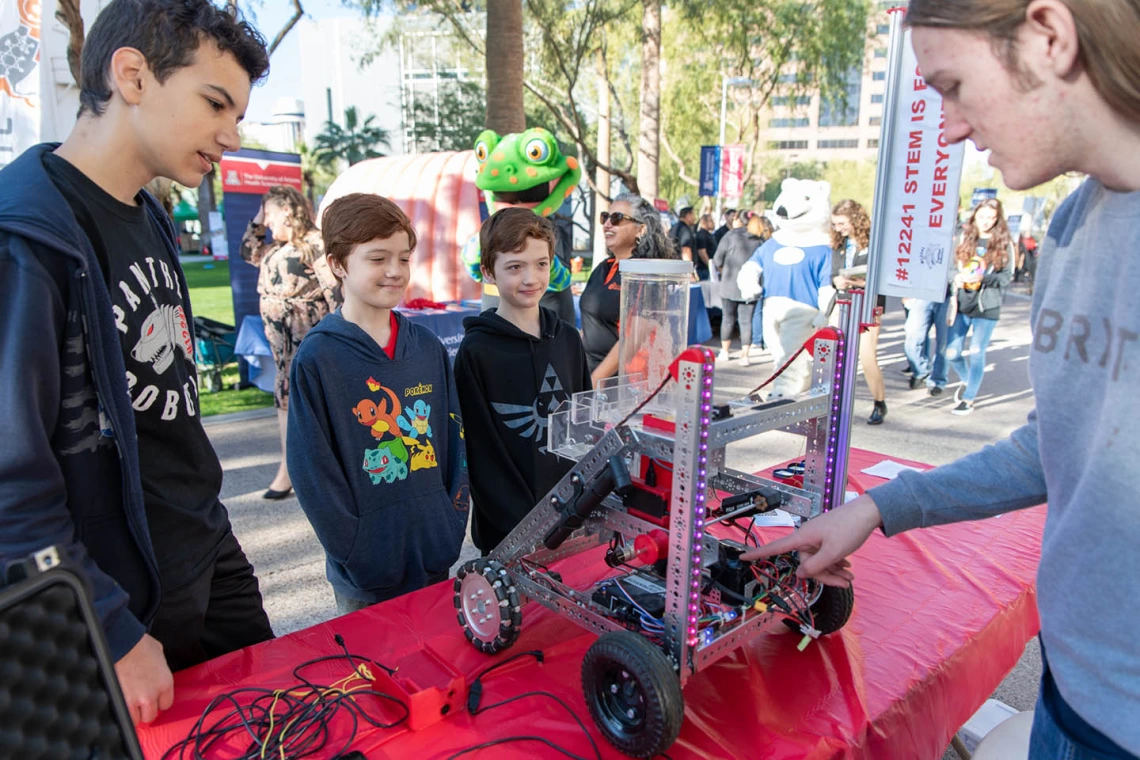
(375, 440)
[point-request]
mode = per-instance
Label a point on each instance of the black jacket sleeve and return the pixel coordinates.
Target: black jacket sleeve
(34, 510)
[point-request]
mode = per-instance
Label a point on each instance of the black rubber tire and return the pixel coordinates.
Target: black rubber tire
(506, 599)
(833, 608)
(651, 689)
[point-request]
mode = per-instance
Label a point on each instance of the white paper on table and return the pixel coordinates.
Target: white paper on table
(889, 469)
(777, 518)
(848, 496)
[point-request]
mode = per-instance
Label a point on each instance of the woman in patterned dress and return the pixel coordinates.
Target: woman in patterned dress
(297, 289)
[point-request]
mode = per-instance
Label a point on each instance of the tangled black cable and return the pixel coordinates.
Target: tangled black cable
(475, 695)
(288, 723)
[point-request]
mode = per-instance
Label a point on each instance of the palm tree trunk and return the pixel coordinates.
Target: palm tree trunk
(504, 63)
(649, 142)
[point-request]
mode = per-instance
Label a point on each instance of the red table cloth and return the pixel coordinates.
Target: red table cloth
(941, 616)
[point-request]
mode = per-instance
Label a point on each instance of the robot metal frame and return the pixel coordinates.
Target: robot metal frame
(633, 675)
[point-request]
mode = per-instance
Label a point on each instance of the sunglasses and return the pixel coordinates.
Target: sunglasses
(617, 218)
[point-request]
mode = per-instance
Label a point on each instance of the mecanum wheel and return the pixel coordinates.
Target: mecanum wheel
(487, 605)
(633, 693)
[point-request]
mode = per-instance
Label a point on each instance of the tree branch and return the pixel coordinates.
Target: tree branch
(623, 134)
(629, 179)
(298, 12)
(454, 15)
(677, 160)
(68, 14)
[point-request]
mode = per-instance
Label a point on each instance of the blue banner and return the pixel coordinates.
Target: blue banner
(982, 194)
(710, 170)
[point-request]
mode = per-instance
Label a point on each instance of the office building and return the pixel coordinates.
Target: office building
(807, 128)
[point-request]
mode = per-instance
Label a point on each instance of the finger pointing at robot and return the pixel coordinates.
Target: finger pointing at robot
(825, 542)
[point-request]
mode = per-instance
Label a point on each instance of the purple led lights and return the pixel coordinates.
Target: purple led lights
(699, 506)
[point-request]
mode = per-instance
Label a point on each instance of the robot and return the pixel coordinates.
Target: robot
(653, 487)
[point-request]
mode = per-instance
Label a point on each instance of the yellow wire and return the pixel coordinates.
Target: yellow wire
(340, 687)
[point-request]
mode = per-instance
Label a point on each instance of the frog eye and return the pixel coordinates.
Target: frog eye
(537, 150)
(481, 151)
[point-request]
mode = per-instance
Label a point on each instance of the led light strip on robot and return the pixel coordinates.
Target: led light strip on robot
(701, 491)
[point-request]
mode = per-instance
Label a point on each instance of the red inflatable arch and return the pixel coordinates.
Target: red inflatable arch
(437, 191)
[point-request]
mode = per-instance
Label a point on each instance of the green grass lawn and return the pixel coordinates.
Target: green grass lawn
(210, 295)
(227, 401)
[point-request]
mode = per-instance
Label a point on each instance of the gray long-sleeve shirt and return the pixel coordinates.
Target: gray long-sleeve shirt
(1080, 450)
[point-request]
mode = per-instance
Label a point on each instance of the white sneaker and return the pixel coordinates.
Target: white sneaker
(744, 361)
(722, 356)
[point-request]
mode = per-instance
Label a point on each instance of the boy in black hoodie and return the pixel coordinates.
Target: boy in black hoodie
(375, 445)
(516, 364)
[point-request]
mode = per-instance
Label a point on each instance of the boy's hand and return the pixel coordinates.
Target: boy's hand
(825, 542)
(260, 218)
(148, 686)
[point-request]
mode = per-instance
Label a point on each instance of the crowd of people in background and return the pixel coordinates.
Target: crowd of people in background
(939, 335)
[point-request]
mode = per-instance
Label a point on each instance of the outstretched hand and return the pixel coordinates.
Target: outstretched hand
(825, 542)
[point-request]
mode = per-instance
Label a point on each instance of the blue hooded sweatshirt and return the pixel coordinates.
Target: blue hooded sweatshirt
(376, 455)
(69, 461)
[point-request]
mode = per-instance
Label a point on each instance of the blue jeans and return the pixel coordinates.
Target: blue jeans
(970, 372)
(1048, 741)
(758, 323)
(927, 358)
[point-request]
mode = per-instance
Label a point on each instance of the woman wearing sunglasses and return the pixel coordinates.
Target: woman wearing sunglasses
(632, 228)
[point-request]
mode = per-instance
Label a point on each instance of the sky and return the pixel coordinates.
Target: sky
(285, 65)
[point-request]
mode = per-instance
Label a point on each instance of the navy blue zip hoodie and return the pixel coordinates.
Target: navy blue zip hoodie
(376, 455)
(69, 467)
(509, 382)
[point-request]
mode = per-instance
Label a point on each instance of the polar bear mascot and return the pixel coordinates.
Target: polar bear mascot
(795, 265)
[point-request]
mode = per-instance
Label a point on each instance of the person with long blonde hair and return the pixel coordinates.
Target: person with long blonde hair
(984, 258)
(1047, 87)
(850, 245)
(297, 290)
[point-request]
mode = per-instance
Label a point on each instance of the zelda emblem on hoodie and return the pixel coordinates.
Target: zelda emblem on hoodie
(530, 421)
(402, 434)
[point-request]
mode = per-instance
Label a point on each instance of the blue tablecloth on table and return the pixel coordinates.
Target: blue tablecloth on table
(254, 348)
(700, 329)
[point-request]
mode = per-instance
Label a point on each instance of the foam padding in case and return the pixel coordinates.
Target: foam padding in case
(58, 696)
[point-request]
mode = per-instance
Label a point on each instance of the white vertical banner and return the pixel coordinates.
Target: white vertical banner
(20, 53)
(916, 193)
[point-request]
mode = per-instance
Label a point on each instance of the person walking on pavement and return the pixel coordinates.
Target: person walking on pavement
(985, 257)
(734, 251)
(850, 243)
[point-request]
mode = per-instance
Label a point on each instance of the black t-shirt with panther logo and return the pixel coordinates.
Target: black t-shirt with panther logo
(181, 475)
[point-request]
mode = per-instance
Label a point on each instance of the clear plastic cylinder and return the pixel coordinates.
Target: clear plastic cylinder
(654, 326)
